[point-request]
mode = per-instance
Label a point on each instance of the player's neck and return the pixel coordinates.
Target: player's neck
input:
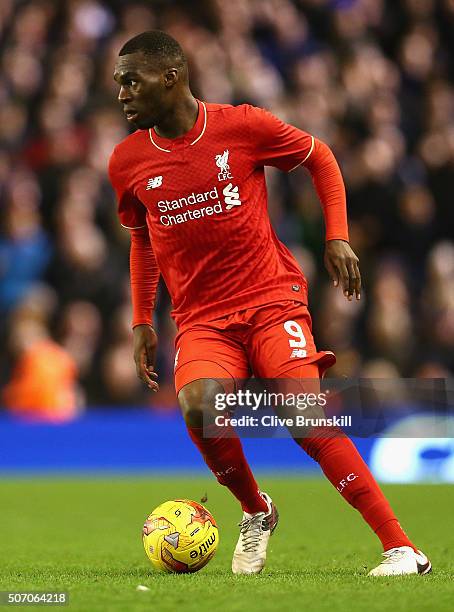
(180, 120)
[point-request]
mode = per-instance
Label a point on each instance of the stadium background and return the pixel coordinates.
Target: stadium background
(371, 78)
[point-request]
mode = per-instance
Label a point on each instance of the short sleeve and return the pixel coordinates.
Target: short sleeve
(131, 211)
(276, 143)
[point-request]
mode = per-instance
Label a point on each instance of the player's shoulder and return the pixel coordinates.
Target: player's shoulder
(230, 111)
(236, 119)
(127, 149)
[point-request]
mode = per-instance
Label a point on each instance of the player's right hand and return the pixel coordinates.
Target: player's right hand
(145, 345)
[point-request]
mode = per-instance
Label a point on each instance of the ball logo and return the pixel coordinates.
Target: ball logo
(173, 539)
(204, 547)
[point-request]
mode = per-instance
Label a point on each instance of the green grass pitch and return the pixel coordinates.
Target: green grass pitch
(83, 536)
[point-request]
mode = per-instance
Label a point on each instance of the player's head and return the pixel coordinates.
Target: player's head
(152, 71)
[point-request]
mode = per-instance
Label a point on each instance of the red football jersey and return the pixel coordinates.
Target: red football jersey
(203, 197)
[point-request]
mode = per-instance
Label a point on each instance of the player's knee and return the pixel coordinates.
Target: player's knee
(197, 399)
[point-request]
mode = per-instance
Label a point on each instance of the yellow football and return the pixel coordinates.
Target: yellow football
(180, 536)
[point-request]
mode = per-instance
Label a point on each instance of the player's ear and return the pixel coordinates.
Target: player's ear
(170, 77)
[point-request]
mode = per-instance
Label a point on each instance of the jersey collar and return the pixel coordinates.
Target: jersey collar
(190, 138)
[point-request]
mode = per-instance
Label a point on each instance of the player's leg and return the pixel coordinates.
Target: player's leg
(346, 470)
(198, 381)
(331, 448)
(220, 448)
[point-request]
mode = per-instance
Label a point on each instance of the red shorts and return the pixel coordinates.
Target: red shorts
(272, 341)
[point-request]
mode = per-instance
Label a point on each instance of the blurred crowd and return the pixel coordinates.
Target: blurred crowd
(372, 78)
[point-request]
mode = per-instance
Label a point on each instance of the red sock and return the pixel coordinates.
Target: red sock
(224, 456)
(346, 470)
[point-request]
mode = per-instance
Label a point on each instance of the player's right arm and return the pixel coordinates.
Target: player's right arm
(144, 277)
(144, 273)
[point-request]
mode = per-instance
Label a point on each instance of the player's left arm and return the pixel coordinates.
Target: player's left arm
(340, 260)
(279, 144)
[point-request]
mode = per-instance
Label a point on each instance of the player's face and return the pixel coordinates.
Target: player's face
(142, 89)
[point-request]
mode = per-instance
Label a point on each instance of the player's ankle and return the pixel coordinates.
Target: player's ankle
(254, 505)
(392, 535)
(399, 544)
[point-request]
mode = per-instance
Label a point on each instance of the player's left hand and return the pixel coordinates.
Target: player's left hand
(342, 265)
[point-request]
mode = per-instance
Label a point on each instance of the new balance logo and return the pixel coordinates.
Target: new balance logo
(298, 354)
(154, 182)
(231, 196)
(222, 162)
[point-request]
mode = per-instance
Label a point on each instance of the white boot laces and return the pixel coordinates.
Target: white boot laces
(392, 556)
(251, 531)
